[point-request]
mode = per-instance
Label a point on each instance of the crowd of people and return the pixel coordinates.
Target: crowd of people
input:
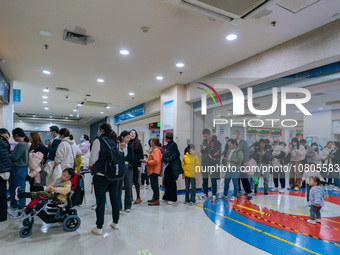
(308, 165)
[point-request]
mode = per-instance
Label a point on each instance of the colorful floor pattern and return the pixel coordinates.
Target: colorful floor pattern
(268, 226)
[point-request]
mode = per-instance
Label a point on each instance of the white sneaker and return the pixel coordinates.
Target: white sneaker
(128, 210)
(214, 198)
(171, 202)
(296, 189)
(281, 190)
(204, 196)
(114, 226)
(185, 202)
(191, 203)
(120, 212)
(233, 198)
(222, 196)
(93, 207)
(97, 231)
(275, 189)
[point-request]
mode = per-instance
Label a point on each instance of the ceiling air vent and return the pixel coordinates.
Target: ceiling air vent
(62, 89)
(318, 94)
(223, 10)
(95, 104)
(76, 38)
(332, 102)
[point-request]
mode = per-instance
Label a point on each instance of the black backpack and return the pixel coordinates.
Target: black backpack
(115, 164)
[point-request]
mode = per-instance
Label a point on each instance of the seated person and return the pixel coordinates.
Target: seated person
(61, 187)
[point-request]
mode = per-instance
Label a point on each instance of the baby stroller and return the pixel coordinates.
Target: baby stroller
(52, 212)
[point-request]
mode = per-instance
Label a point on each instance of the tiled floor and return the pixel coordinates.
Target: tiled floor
(167, 229)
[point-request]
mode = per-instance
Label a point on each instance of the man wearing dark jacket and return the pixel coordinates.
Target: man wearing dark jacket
(211, 156)
(52, 147)
(5, 168)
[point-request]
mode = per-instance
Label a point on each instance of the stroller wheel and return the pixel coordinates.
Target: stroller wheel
(71, 223)
(26, 222)
(25, 232)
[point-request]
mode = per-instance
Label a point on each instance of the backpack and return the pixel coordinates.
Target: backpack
(78, 190)
(115, 164)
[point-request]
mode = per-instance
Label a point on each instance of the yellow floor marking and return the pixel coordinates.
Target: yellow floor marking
(259, 230)
(331, 220)
(251, 209)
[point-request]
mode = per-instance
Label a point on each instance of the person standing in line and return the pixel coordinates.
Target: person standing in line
(144, 174)
(279, 160)
(98, 159)
(233, 161)
(263, 157)
(211, 156)
(191, 166)
(85, 144)
(53, 146)
(154, 168)
(244, 147)
(5, 171)
(316, 200)
(172, 170)
(136, 166)
(326, 152)
(309, 158)
(297, 154)
(127, 150)
(67, 150)
(37, 155)
(19, 172)
(335, 166)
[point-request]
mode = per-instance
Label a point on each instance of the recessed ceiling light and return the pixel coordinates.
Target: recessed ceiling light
(180, 65)
(101, 112)
(50, 117)
(100, 80)
(124, 52)
(298, 111)
(45, 33)
(75, 110)
(44, 97)
(33, 116)
(46, 90)
(231, 37)
(108, 107)
(44, 102)
(159, 78)
(320, 108)
(71, 115)
(66, 118)
(80, 105)
(46, 72)
(131, 94)
(46, 108)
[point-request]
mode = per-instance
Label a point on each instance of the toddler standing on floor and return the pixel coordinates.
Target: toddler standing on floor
(316, 199)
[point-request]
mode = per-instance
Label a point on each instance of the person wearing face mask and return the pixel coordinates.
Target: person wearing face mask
(191, 166)
(297, 154)
(53, 146)
(309, 159)
(279, 159)
(5, 171)
(326, 152)
(244, 147)
(84, 147)
(335, 165)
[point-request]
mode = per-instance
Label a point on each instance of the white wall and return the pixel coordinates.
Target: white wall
(140, 129)
(318, 124)
(76, 130)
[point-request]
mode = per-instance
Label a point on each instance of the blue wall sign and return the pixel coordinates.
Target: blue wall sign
(130, 114)
(16, 95)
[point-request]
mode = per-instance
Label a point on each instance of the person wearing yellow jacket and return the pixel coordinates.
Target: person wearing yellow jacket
(191, 166)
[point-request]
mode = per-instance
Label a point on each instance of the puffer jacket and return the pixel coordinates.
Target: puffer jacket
(154, 165)
(5, 161)
(191, 165)
(66, 153)
(297, 154)
(34, 165)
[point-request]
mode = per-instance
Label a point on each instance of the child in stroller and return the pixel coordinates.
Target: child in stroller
(52, 205)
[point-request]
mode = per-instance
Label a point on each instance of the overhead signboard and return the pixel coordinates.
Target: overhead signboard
(4, 89)
(130, 114)
(259, 131)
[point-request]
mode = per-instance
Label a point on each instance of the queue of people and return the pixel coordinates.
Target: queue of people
(30, 155)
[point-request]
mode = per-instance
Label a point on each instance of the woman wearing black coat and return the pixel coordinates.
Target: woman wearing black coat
(136, 166)
(127, 150)
(172, 170)
(5, 169)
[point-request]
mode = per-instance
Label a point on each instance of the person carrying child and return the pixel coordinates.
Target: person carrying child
(144, 174)
(58, 191)
(190, 164)
(316, 200)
